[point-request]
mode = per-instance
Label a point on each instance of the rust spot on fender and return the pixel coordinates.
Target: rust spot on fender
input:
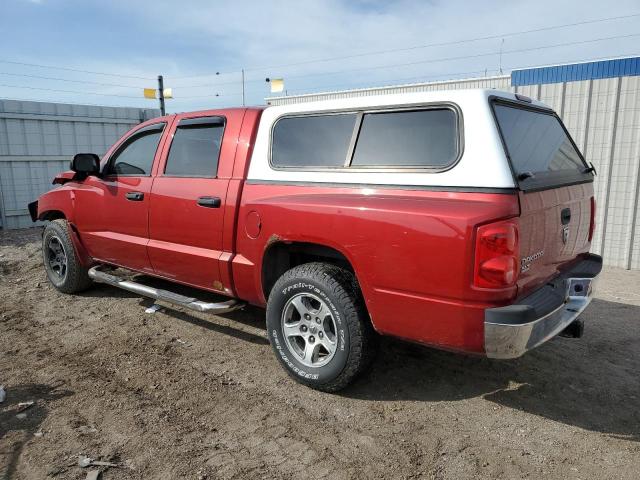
(274, 239)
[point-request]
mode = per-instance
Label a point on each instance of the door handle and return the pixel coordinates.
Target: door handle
(209, 202)
(134, 196)
(565, 216)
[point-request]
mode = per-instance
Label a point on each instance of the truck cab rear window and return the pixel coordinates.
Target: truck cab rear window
(541, 152)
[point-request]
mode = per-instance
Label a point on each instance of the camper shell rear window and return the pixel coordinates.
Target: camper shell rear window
(541, 152)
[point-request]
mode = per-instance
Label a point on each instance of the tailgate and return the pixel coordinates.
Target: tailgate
(556, 191)
(554, 230)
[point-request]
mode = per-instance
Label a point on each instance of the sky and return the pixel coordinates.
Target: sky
(201, 47)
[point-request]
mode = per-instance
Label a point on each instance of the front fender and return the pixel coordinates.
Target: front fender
(59, 203)
(59, 199)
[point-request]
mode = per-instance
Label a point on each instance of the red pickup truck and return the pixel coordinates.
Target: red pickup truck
(457, 219)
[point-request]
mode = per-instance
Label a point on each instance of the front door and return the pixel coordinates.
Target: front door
(112, 212)
(187, 203)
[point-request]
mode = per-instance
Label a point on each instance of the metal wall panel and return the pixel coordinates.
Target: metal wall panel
(577, 111)
(599, 147)
(621, 198)
(553, 95)
(531, 91)
(577, 71)
(21, 182)
(37, 140)
(601, 111)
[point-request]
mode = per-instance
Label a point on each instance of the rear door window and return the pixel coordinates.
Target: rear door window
(541, 152)
(195, 148)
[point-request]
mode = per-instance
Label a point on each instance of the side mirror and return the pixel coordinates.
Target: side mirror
(86, 164)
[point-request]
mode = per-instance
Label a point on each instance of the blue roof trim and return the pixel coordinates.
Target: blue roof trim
(622, 67)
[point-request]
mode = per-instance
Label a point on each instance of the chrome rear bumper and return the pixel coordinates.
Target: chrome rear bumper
(511, 331)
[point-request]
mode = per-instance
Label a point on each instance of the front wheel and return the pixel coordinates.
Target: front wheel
(319, 327)
(60, 260)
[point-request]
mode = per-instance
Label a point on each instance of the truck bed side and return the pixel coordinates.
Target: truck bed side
(410, 251)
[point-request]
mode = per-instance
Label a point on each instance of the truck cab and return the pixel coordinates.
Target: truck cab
(162, 196)
(461, 220)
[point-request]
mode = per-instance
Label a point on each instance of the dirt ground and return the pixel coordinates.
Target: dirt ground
(178, 394)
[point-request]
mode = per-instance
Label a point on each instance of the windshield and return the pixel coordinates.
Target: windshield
(541, 152)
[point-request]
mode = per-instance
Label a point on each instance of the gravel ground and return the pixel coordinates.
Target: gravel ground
(178, 394)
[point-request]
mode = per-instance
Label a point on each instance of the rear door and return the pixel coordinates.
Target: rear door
(556, 191)
(188, 200)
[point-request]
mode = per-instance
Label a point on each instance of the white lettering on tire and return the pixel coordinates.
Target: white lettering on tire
(302, 373)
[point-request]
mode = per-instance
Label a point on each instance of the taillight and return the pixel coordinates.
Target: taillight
(496, 255)
(592, 223)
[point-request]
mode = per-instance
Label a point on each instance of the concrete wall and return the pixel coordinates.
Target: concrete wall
(38, 139)
(603, 116)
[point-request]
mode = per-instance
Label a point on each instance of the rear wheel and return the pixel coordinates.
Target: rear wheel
(319, 327)
(60, 260)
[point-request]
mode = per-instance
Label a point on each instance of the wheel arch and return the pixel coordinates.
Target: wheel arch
(56, 204)
(53, 214)
(281, 256)
(83, 255)
(75, 278)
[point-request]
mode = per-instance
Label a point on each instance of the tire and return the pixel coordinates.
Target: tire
(326, 354)
(60, 260)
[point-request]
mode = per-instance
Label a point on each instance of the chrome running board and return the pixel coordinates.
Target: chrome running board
(163, 295)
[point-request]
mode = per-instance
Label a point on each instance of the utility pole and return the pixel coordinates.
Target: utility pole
(243, 87)
(161, 94)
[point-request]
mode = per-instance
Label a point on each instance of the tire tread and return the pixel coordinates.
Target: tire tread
(77, 276)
